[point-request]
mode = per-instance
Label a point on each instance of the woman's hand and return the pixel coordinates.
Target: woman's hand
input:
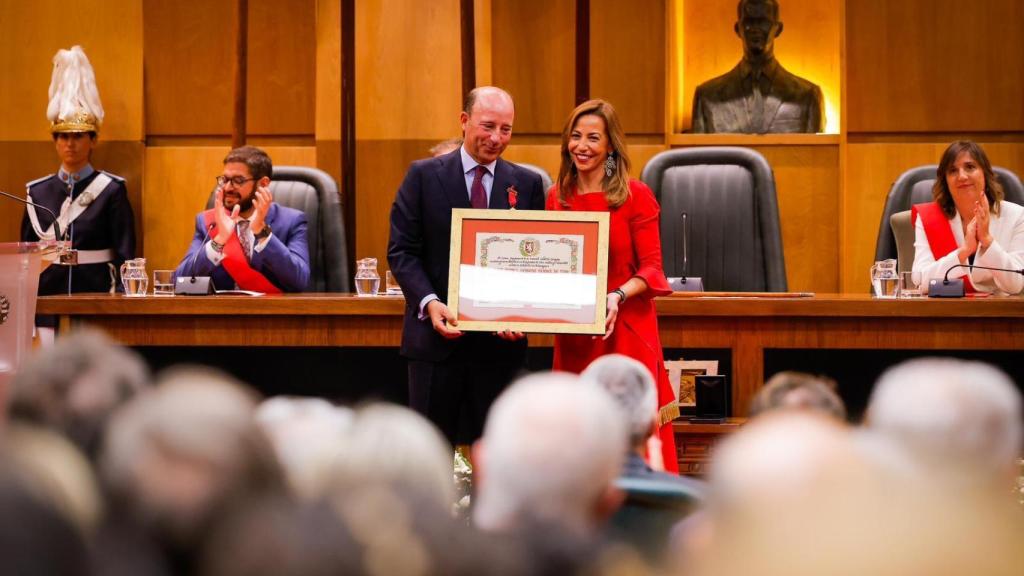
(981, 216)
(970, 241)
(613, 301)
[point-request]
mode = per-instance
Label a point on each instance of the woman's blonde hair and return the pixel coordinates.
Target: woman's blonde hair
(616, 186)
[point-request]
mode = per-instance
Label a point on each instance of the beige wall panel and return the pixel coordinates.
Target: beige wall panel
(189, 47)
(408, 69)
(627, 61)
(935, 65)
(872, 169)
(328, 70)
(544, 155)
(282, 67)
(381, 166)
(807, 185)
(110, 32)
(533, 57)
(808, 47)
(25, 161)
(483, 42)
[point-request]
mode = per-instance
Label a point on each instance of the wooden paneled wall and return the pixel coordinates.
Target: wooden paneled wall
(916, 75)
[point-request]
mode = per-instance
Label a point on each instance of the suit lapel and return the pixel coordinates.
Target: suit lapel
(453, 180)
(503, 179)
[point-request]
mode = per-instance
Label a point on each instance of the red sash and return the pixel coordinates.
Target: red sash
(939, 233)
(236, 263)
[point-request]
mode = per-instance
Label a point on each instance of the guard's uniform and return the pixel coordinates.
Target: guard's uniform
(103, 233)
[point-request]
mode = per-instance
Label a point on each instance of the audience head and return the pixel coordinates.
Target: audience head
(632, 387)
(388, 444)
(591, 135)
(487, 116)
(955, 416)
(177, 453)
(306, 434)
(34, 537)
(964, 172)
(445, 146)
(551, 450)
(75, 385)
(800, 391)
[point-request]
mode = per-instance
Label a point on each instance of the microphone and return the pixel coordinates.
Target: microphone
(56, 225)
(685, 284)
(955, 288)
(195, 285)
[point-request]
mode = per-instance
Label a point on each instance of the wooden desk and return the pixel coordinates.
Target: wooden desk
(746, 325)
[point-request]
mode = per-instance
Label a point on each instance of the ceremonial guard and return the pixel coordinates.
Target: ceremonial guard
(91, 205)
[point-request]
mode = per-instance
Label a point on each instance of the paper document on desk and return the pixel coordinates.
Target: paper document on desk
(238, 292)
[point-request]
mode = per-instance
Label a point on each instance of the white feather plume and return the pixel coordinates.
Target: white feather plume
(73, 86)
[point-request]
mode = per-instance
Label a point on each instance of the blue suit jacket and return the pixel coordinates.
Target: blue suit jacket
(418, 247)
(284, 260)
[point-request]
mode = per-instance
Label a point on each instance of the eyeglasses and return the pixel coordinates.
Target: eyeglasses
(237, 180)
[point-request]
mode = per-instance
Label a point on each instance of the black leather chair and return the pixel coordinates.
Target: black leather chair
(652, 508)
(314, 192)
(728, 194)
(914, 187)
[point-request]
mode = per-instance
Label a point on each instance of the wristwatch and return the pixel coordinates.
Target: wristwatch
(263, 233)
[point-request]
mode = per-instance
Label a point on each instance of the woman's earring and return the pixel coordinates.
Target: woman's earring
(609, 164)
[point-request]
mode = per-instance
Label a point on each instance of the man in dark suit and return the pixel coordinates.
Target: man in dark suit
(454, 377)
(758, 96)
(254, 243)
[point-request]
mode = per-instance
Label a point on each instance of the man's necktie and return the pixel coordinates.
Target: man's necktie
(757, 108)
(477, 194)
(242, 229)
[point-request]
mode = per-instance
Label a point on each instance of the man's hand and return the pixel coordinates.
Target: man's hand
(442, 319)
(225, 220)
(510, 336)
(261, 205)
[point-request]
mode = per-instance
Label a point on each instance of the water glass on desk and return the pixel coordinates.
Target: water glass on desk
(908, 288)
(163, 282)
(884, 279)
(134, 277)
(367, 279)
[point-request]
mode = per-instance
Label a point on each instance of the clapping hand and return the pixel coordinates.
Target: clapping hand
(261, 204)
(981, 216)
(225, 220)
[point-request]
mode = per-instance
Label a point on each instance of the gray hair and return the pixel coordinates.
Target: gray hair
(552, 446)
(75, 385)
(632, 387)
(949, 410)
(391, 444)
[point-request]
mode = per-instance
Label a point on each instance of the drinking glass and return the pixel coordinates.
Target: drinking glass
(908, 288)
(163, 282)
(391, 285)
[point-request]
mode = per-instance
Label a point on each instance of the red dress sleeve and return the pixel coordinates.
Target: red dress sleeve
(552, 199)
(644, 227)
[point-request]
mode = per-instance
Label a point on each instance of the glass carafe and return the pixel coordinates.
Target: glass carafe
(367, 278)
(884, 279)
(134, 278)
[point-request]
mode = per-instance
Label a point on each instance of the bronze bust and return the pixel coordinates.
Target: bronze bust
(758, 96)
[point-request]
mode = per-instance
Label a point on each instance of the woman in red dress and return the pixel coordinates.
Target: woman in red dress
(594, 176)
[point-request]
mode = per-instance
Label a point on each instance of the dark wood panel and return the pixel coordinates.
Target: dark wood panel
(627, 61)
(282, 67)
(935, 65)
(188, 48)
(533, 57)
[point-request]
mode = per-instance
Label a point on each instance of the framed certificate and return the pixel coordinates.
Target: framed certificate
(529, 270)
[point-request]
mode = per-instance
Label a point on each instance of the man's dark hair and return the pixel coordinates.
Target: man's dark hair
(257, 160)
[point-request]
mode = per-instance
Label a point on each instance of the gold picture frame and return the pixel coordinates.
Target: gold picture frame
(529, 270)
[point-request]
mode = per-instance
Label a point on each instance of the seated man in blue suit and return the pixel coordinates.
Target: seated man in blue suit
(254, 243)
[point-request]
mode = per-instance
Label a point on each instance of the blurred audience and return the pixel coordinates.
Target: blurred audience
(800, 391)
(950, 419)
(177, 455)
(632, 387)
(551, 450)
(75, 385)
(306, 434)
